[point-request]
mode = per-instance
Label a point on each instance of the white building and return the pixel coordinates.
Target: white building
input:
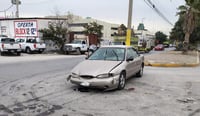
(144, 36)
(28, 27)
(77, 28)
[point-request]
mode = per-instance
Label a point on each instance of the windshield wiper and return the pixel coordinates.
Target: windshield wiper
(116, 55)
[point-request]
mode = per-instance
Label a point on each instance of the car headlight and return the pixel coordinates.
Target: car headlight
(74, 75)
(105, 75)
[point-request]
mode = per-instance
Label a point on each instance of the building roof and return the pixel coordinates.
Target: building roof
(31, 18)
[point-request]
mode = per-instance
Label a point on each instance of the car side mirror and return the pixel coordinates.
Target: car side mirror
(130, 58)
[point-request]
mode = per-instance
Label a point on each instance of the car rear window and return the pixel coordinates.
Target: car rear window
(7, 40)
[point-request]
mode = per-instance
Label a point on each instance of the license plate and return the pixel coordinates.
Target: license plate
(85, 84)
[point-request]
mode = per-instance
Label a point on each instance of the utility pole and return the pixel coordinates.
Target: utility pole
(17, 3)
(17, 8)
(128, 33)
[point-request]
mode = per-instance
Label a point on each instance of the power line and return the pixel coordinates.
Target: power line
(152, 6)
(7, 8)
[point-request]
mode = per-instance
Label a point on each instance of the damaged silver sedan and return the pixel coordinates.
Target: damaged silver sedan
(108, 68)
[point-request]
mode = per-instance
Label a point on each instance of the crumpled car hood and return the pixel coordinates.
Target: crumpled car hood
(94, 67)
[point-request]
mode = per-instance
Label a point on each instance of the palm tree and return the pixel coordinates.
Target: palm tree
(190, 12)
(122, 30)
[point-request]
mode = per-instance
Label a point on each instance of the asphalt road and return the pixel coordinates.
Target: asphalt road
(38, 87)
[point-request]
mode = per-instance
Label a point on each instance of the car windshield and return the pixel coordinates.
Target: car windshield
(111, 54)
(7, 40)
(76, 42)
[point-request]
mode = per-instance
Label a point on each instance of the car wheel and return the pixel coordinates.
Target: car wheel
(78, 50)
(1, 53)
(140, 72)
(28, 50)
(18, 54)
(40, 52)
(66, 52)
(122, 81)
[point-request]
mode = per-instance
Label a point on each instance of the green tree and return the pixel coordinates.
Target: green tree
(190, 12)
(122, 30)
(55, 32)
(177, 33)
(93, 28)
(160, 37)
(195, 36)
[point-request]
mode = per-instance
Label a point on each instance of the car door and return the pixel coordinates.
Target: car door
(132, 65)
(137, 60)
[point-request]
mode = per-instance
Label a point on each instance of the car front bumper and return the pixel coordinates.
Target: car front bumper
(103, 83)
(70, 49)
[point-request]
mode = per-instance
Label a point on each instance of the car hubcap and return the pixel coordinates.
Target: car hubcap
(141, 71)
(122, 81)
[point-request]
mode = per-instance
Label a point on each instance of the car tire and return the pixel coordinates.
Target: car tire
(140, 72)
(66, 52)
(122, 81)
(40, 52)
(1, 53)
(28, 50)
(78, 50)
(18, 53)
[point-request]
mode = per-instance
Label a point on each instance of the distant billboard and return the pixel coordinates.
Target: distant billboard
(27, 28)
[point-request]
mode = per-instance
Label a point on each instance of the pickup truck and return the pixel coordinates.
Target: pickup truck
(8, 45)
(78, 46)
(31, 45)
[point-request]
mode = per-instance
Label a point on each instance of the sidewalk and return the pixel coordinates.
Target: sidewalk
(172, 59)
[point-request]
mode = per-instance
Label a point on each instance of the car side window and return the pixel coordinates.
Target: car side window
(83, 42)
(17, 40)
(131, 53)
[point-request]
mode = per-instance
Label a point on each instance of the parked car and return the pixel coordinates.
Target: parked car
(79, 46)
(8, 45)
(31, 45)
(108, 68)
(159, 47)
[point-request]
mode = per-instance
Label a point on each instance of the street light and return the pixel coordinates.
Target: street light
(128, 33)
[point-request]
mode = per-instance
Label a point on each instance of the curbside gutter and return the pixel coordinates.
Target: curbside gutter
(173, 64)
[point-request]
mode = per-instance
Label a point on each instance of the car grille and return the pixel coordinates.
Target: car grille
(68, 47)
(87, 76)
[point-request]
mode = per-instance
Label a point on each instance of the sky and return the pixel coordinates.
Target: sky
(112, 11)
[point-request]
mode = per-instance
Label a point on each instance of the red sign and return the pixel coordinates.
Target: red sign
(27, 28)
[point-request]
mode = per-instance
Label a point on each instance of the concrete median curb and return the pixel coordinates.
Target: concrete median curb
(172, 64)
